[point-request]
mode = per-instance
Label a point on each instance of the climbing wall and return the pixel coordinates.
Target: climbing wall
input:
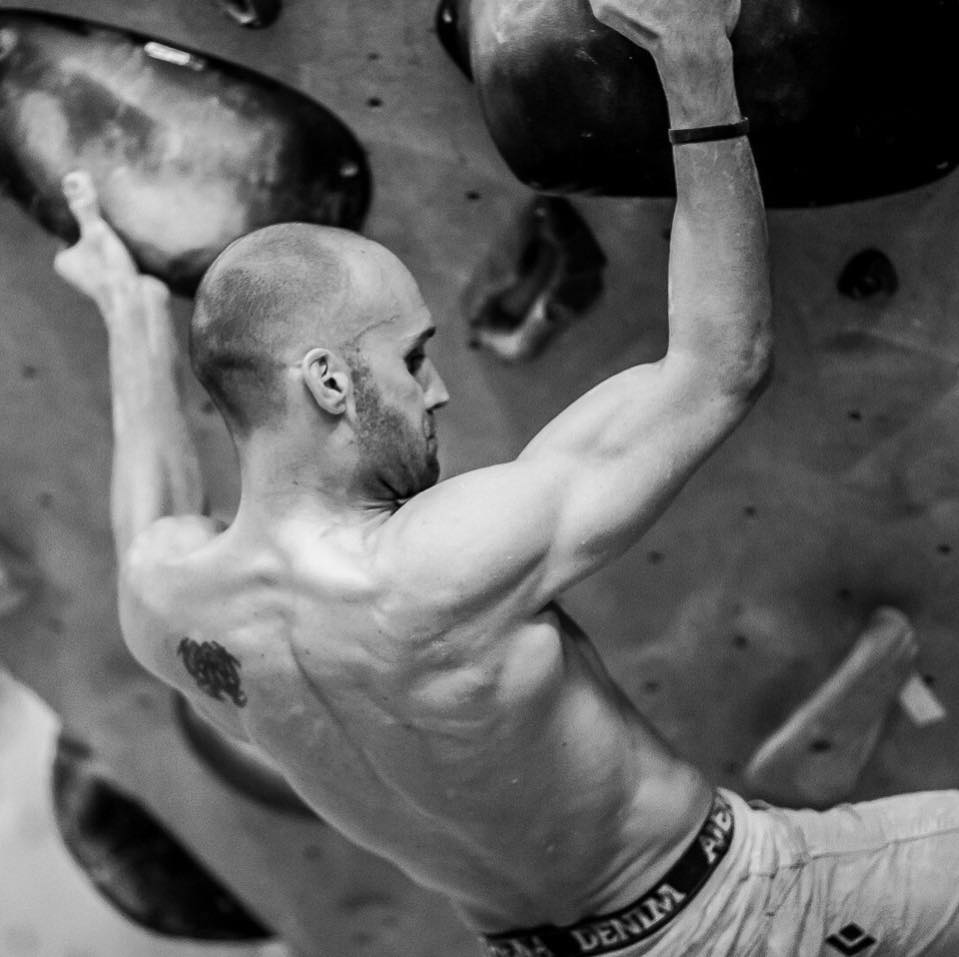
(840, 491)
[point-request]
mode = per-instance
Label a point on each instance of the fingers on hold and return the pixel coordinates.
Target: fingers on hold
(63, 262)
(81, 196)
(77, 183)
(155, 288)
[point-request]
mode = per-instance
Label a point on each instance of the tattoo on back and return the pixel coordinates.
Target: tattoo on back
(214, 669)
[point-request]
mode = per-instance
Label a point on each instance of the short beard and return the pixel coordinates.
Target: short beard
(394, 458)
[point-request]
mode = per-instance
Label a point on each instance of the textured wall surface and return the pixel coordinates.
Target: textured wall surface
(840, 491)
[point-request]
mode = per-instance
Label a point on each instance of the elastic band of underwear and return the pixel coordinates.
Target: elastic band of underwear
(595, 936)
(709, 134)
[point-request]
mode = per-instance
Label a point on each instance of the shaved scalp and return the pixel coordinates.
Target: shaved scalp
(267, 298)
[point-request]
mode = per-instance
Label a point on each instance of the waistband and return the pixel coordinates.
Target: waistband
(649, 914)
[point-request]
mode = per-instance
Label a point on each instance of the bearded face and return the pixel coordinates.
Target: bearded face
(398, 450)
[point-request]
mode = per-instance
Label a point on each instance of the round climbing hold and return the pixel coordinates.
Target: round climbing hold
(831, 120)
(545, 273)
(451, 28)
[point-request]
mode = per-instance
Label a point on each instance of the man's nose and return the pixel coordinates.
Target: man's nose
(436, 394)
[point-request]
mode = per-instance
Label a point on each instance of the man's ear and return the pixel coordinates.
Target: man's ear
(328, 379)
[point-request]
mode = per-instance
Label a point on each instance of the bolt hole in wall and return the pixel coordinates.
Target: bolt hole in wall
(169, 108)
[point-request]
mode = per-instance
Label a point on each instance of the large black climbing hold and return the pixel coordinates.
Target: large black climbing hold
(186, 153)
(868, 275)
(251, 13)
(847, 98)
(134, 862)
(546, 272)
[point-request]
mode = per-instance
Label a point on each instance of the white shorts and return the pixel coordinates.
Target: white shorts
(875, 879)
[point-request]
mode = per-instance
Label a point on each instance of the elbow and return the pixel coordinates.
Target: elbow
(734, 365)
(757, 372)
(747, 375)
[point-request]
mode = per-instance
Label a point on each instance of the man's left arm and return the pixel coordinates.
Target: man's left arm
(155, 468)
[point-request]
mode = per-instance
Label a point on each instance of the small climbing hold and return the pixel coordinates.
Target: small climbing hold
(452, 32)
(920, 703)
(868, 275)
(540, 277)
(254, 14)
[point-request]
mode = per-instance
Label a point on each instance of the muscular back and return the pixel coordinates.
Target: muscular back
(394, 646)
(509, 774)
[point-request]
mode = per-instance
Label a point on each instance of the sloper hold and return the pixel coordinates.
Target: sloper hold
(134, 862)
(846, 100)
(187, 153)
(540, 277)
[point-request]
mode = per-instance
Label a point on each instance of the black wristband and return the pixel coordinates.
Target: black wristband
(708, 134)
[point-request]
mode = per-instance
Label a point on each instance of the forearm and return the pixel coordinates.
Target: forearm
(719, 294)
(155, 467)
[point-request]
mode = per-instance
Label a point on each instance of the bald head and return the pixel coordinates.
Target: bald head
(258, 301)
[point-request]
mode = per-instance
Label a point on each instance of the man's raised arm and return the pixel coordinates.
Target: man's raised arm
(595, 478)
(155, 468)
(719, 296)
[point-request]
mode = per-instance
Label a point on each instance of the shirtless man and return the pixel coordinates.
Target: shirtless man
(394, 645)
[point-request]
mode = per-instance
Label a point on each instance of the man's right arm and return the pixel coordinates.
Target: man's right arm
(595, 478)
(719, 295)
